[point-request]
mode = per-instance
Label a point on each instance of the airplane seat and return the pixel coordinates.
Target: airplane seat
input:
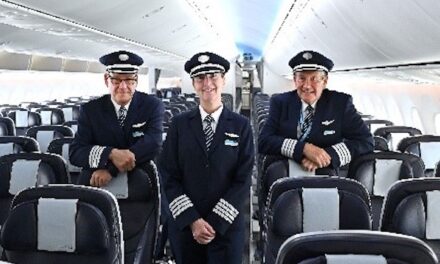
(61, 146)
(44, 134)
(412, 208)
(394, 134)
(7, 127)
(357, 246)
(380, 144)
(8, 109)
(63, 224)
(228, 101)
(23, 120)
(426, 147)
(72, 124)
(373, 124)
(139, 202)
(70, 112)
(16, 144)
(22, 170)
(378, 171)
(51, 116)
(308, 204)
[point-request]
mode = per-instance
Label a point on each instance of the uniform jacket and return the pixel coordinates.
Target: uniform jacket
(336, 127)
(99, 132)
(213, 185)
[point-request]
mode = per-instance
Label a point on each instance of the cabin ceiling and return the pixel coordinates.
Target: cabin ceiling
(355, 34)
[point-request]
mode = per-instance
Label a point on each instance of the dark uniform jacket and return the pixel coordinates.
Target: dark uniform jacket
(99, 132)
(214, 185)
(336, 127)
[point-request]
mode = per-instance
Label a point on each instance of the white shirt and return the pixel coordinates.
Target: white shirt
(304, 106)
(117, 107)
(215, 115)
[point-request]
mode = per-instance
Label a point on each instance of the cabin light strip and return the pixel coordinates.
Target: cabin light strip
(65, 21)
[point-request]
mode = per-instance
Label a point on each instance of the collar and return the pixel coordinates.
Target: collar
(215, 114)
(304, 105)
(119, 106)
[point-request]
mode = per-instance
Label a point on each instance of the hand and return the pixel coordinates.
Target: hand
(317, 155)
(100, 178)
(308, 165)
(123, 159)
(202, 231)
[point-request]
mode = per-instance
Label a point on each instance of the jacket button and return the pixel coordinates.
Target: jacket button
(207, 165)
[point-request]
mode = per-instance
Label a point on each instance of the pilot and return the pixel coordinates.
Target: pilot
(118, 131)
(318, 128)
(206, 165)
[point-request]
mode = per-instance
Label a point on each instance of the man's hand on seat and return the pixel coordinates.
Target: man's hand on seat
(317, 155)
(100, 178)
(123, 159)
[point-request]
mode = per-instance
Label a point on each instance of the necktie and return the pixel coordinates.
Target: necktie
(307, 122)
(122, 113)
(209, 134)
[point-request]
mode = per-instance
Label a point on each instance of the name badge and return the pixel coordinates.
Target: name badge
(232, 143)
(328, 132)
(138, 134)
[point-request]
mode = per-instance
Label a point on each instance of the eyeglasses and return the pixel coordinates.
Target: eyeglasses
(210, 76)
(315, 79)
(128, 81)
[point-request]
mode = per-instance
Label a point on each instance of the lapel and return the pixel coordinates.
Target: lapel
(110, 116)
(223, 123)
(321, 107)
(195, 123)
(294, 111)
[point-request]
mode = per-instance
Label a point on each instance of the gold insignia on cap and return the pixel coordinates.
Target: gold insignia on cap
(203, 58)
(307, 55)
(123, 57)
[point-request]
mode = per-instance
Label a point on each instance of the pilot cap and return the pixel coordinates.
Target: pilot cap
(122, 62)
(310, 60)
(206, 62)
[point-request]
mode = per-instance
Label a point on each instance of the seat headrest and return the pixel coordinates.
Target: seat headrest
(286, 217)
(22, 230)
(395, 248)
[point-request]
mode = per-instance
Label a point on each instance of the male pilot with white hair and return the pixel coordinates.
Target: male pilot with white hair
(318, 128)
(118, 131)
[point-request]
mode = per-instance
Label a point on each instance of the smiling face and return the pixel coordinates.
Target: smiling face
(121, 86)
(310, 84)
(209, 88)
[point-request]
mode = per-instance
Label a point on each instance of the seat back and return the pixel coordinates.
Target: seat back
(394, 134)
(364, 247)
(63, 224)
(51, 116)
(23, 170)
(425, 146)
(16, 144)
(139, 200)
(72, 124)
(380, 144)
(412, 208)
(374, 124)
(61, 147)
(45, 134)
(378, 171)
(7, 127)
(23, 120)
(70, 112)
(298, 205)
